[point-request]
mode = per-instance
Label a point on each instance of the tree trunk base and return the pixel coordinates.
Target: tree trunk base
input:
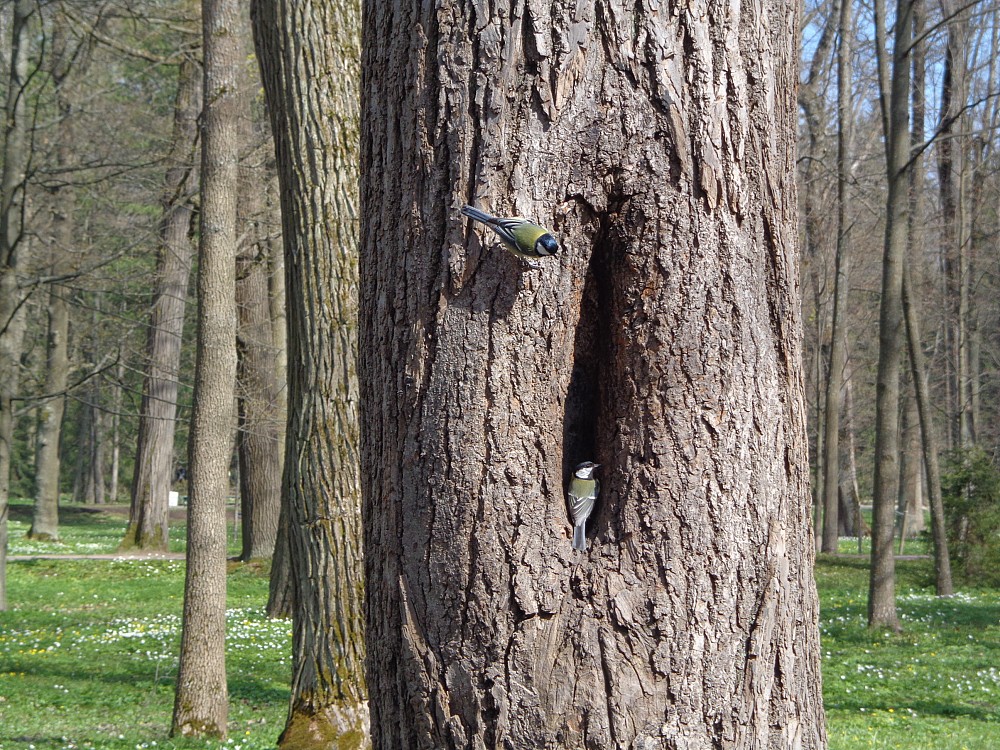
(41, 536)
(154, 541)
(341, 727)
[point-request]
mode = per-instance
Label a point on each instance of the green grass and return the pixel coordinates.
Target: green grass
(88, 650)
(935, 686)
(90, 530)
(88, 655)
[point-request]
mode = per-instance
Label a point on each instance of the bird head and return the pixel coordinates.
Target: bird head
(586, 469)
(546, 245)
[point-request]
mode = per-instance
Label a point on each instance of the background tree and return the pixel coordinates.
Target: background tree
(67, 58)
(258, 387)
(154, 461)
(201, 699)
(14, 254)
(895, 91)
(838, 342)
(660, 149)
(309, 57)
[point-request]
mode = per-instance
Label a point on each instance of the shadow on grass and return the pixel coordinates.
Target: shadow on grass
(974, 710)
(69, 515)
(249, 690)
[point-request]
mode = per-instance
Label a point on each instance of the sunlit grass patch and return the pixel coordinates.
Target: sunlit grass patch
(94, 530)
(934, 685)
(848, 545)
(82, 531)
(89, 656)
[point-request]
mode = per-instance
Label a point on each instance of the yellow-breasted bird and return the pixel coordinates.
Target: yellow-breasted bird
(522, 237)
(583, 491)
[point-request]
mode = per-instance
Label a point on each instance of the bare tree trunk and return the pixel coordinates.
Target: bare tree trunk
(841, 285)
(861, 527)
(811, 100)
(261, 420)
(259, 416)
(83, 451)
(149, 511)
(310, 68)
(93, 467)
(951, 146)
(918, 367)
(895, 115)
(201, 701)
(116, 406)
(64, 58)
(280, 593)
(663, 341)
(14, 252)
(45, 520)
(942, 563)
(909, 508)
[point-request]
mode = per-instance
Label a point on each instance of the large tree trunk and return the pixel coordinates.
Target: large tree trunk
(14, 252)
(309, 62)
(663, 342)
(201, 703)
(149, 511)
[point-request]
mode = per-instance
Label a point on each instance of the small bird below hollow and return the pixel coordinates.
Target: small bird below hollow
(523, 238)
(583, 491)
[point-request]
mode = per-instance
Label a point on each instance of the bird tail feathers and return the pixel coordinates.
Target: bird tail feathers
(580, 537)
(475, 213)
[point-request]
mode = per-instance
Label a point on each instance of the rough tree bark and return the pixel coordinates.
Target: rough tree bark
(201, 700)
(14, 254)
(149, 511)
(309, 56)
(663, 342)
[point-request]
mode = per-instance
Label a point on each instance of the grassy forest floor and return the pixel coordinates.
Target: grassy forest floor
(88, 652)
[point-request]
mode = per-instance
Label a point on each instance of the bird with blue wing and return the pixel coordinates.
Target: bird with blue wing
(582, 493)
(523, 238)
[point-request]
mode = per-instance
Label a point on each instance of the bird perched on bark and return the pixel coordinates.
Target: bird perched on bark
(522, 237)
(583, 490)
